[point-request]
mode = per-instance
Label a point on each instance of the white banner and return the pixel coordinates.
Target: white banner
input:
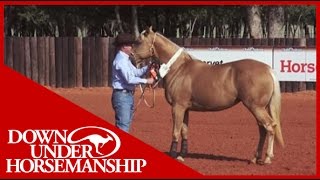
(289, 64)
(311, 60)
(219, 55)
(295, 64)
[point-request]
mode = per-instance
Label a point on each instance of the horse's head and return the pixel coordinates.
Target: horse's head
(144, 49)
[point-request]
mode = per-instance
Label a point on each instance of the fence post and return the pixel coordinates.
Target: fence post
(236, 42)
(59, 59)
(112, 51)
(34, 59)
(256, 42)
(178, 41)
(78, 60)
(228, 41)
(195, 41)
(302, 86)
(295, 86)
(311, 85)
(93, 52)
(215, 42)
(98, 61)
(202, 41)
(288, 86)
(22, 65)
(41, 59)
(187, 41)
(52, 64)
(16, 54)
(65, 56)
(71, 63)
(86, 62)
(105, 60)
(47, 62)
(9, 52)
(27, 57)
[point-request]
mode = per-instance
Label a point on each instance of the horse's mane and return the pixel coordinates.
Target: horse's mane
(188, 55)
(162, 36)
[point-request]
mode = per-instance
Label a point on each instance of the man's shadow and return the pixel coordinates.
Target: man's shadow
(213, 157)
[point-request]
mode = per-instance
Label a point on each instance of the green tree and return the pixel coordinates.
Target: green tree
(172, 21)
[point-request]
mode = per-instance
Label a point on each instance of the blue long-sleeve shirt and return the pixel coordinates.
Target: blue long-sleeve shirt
(124, 74)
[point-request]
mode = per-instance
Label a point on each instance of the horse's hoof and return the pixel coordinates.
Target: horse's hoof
(260, 162)
(253, 161)
(256, 161)
(267, 160)
(179, 158)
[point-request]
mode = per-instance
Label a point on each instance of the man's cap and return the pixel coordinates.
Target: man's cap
(124, 39)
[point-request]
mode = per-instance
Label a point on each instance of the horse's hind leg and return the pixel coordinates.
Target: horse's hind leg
(269, 154)
(258, 156)
(184, 135)
(178, 112)
(266, 121)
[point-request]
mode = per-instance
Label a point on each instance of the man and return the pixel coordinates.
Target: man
(124, 78)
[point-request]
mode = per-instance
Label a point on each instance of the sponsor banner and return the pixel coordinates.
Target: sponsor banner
(295, 64)
(45, 136)
(311, 60)
(217, 56)
(289, 64)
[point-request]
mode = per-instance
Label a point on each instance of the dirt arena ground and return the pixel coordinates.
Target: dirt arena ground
(220, 143)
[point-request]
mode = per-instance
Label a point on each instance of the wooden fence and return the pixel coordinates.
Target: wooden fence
(86, 62)
(61, 62)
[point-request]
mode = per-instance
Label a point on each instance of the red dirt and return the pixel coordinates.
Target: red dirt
(220, 143)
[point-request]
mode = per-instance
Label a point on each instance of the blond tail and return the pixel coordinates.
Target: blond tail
(275, 109)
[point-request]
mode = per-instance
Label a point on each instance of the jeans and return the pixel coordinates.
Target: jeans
(123, 105)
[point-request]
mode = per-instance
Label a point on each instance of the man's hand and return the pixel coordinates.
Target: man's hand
(154, 74)
(150, 80)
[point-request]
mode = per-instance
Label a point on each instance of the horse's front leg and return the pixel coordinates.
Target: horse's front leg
(184, 135)
(177, 116)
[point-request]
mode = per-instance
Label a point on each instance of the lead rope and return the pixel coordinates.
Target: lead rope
(142, 96)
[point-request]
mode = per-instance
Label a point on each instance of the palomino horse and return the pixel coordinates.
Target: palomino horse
(192, 85)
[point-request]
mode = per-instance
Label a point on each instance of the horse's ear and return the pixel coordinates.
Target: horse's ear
(146, 32)
(150, 29)
(143, 33)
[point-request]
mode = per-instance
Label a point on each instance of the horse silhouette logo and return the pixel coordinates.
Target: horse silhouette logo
(97, 140)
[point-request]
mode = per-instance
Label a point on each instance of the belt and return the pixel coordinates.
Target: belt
(124, 90)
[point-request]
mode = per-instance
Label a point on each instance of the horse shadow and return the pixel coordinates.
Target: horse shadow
(213, 157)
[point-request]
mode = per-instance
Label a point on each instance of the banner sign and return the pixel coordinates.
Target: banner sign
(295, 64)
(289, 64)
(217, 56)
